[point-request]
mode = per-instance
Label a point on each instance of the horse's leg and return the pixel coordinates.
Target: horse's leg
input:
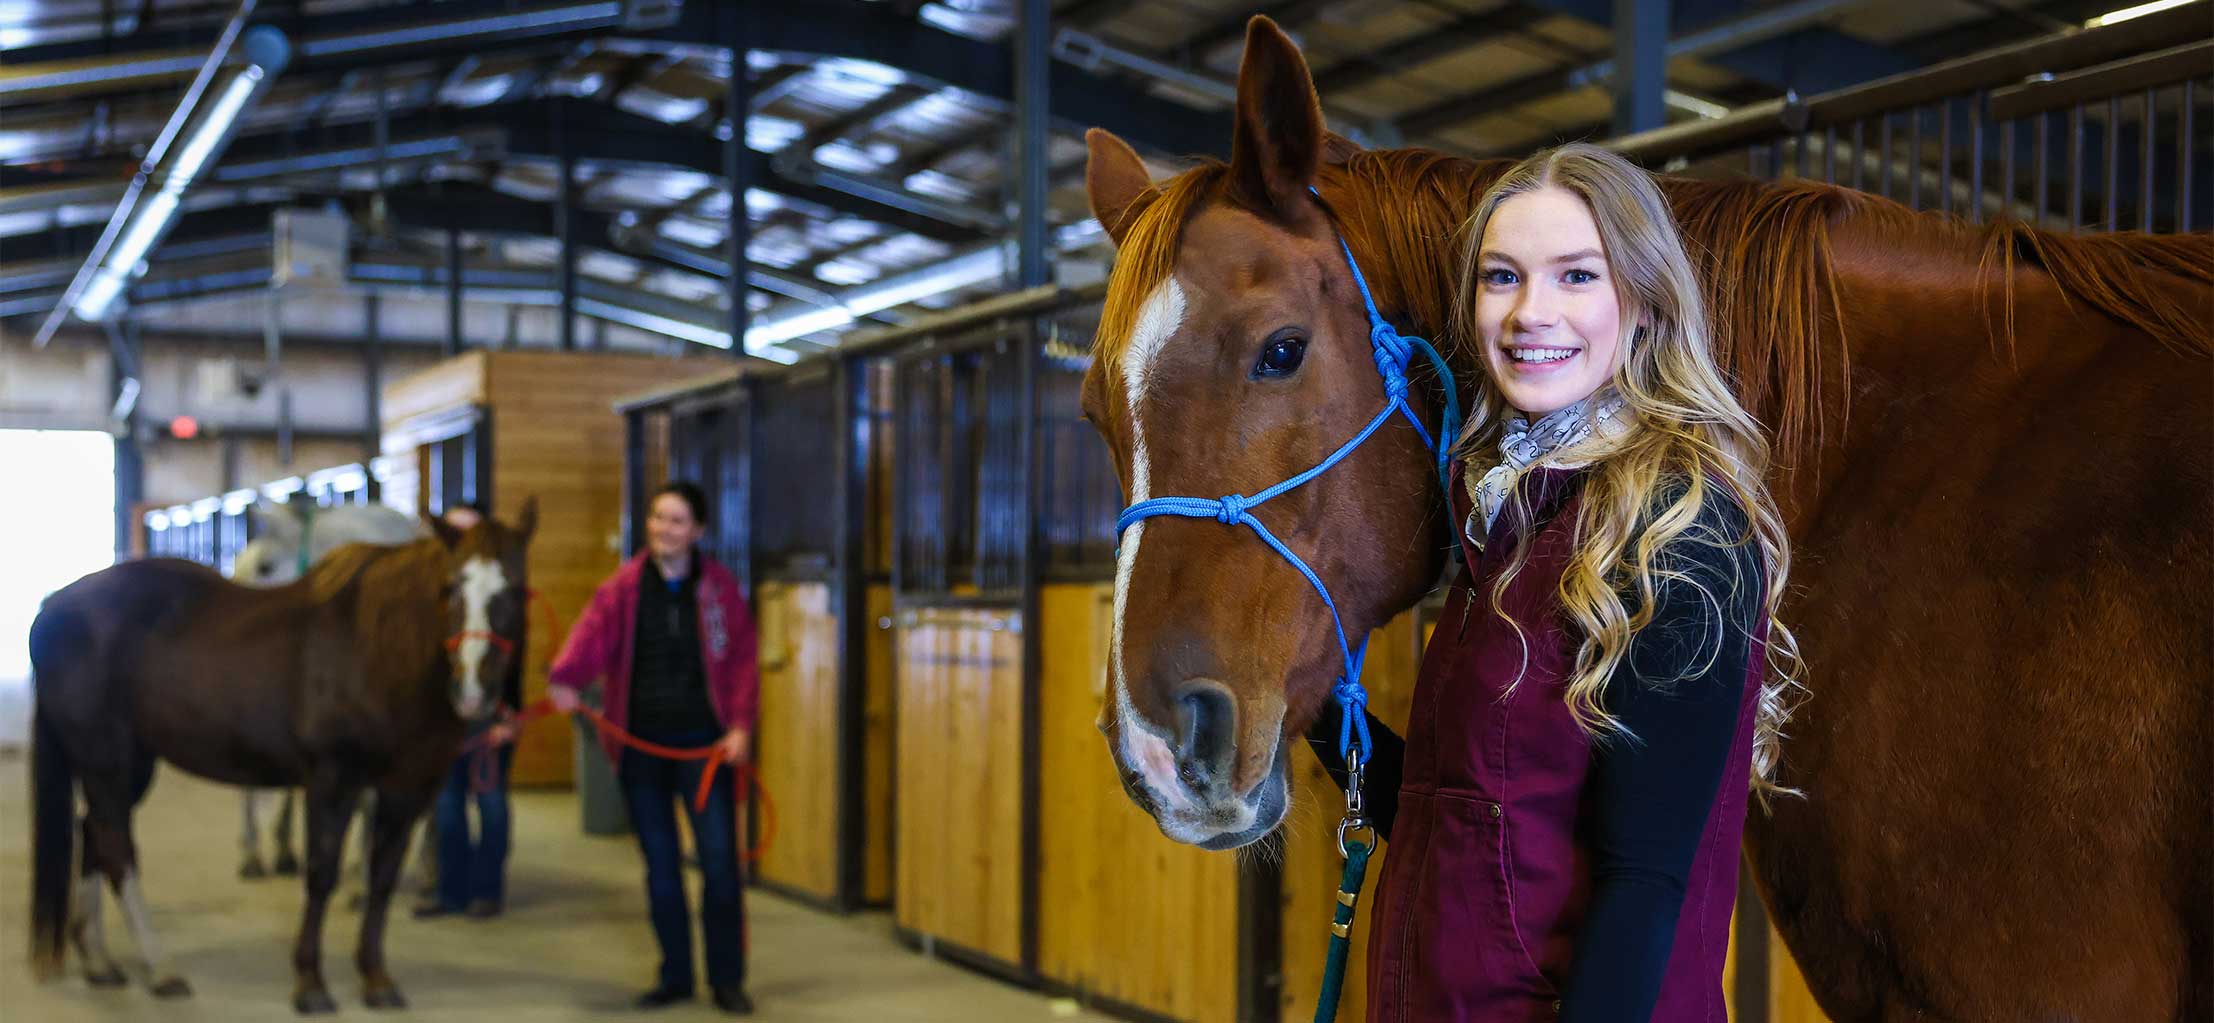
(357, 884)
(287, 864)
(108, 840)
(87, 931)
(249, 837)
(426, 855)
(394, 816)
(330, 807)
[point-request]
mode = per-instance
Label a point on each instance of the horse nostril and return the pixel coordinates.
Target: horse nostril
(1206, 736)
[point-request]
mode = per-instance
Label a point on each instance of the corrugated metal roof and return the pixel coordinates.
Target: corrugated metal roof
(849, 138)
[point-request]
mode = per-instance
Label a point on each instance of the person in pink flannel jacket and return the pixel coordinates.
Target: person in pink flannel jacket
(671, 639)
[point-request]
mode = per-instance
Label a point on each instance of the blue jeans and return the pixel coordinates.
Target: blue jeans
(473, 871)
(651, 788)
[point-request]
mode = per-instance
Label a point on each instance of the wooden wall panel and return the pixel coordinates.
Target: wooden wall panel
(878, 784)
(797, 743)
(454, 383)
(555, 437)
(959, 754)
(1124, 913)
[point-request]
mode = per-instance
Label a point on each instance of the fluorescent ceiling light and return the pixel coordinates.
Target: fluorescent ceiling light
(829, 318)
(2132, 13)
(1695, 105)
(138, 239)
(100, 293)
(194, 157)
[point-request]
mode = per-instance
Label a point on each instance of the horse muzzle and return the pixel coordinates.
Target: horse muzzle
(1187, 777)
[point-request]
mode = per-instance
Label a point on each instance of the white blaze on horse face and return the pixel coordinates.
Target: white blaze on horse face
(481, 580)
(1158, 320)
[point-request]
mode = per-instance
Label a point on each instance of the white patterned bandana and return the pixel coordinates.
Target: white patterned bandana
(1524, 445)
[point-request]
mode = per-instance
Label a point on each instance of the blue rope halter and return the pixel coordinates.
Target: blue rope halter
(1392, 352)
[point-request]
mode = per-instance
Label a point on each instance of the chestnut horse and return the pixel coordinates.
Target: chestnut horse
(359, 676)
(1994, 460)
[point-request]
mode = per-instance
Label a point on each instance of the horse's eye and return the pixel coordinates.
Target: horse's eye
(1281, 357)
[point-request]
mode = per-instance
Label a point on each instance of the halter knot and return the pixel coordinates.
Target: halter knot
(1230, 510)
(1351, 693)
(1392, 354)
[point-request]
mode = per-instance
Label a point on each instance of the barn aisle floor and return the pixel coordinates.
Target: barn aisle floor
(574, 944)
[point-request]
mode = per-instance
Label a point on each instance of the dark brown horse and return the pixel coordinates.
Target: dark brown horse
(1995, 465)
(359, 676)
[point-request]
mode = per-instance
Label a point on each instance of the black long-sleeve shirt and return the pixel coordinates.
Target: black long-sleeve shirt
(1678, 691)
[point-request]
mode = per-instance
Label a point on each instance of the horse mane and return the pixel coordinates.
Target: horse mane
(1764, 250)
(343, 568)
(1408, 206)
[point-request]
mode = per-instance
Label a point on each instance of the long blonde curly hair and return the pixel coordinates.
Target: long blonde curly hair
(1645, 487)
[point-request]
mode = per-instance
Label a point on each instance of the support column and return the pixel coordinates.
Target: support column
(130, 466)
(1033, 261)
(372, 378)
(453, 292)
(1640, 80)
(565, 229)
(737, 105)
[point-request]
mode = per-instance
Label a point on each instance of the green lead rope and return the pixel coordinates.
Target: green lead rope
(307, 535)
(1341, 928)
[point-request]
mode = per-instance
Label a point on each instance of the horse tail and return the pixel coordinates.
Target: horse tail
(54, 803)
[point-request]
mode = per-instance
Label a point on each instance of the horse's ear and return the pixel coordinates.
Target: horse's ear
(443, 530)
(1116, 180)
(1337, 150)
(1278, 142)
(526, 521)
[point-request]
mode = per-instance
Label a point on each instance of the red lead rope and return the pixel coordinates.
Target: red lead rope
(485, 769)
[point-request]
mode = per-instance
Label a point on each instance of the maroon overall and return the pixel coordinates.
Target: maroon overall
(1485, 882)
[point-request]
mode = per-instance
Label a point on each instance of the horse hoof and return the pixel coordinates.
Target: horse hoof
(174, 987)
(287, 866)
(314, 1002)
(111, 977)
(386, 996)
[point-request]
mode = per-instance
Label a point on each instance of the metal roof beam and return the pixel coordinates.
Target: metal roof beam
(1807, 59)
(1288, 15)
(598, 134)
(871, 32)
(1810, 59)
(1423, 47)
(603, 135)
(333, 41)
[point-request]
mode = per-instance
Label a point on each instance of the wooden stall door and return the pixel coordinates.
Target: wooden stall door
(959, 742)
(1124, 913)
(798, 733)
